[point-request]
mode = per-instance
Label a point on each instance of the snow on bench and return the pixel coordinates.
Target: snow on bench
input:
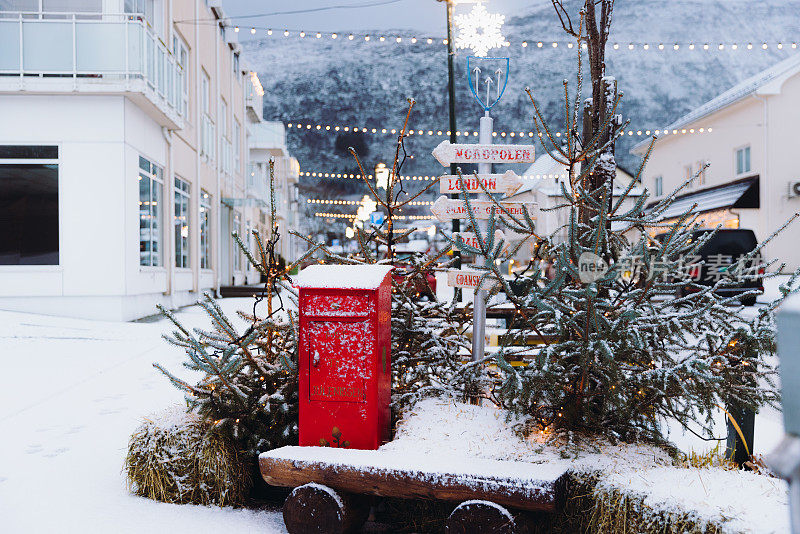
(403, 474)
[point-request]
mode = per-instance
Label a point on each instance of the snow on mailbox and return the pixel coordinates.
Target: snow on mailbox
(345, 361)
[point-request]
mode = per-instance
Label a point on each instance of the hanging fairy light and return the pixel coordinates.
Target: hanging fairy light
(480, 30)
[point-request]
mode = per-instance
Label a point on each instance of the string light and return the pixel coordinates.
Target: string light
(421, 178)
(327, 128)
(352, 216)
(340, 202)
(405, 40)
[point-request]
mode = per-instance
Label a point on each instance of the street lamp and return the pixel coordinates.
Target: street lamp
(381, 176)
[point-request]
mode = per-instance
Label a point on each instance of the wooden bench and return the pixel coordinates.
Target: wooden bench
(331, 485)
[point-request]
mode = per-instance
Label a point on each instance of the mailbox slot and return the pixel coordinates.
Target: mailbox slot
(342, 305)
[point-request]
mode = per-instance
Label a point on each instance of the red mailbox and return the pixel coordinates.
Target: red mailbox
(345, 360)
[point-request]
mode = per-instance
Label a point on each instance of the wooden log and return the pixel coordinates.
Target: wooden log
(485, 517)
(518, 485)
(317, 509)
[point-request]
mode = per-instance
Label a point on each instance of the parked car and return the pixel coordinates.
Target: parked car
(717, 254)
(402, 270)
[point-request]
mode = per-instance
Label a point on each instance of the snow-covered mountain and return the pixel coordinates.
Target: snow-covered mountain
(358, 83)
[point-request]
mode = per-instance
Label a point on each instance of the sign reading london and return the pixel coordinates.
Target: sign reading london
(507, 183)
(447, 153)
(445, 209)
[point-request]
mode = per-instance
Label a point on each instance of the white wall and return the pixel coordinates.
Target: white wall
(774, 146)
(100, 139)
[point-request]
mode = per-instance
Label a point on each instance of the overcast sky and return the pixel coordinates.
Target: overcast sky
(425, 16)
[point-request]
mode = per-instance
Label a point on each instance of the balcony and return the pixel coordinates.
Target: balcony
(267, 139)
(255, 98)
(90, 53)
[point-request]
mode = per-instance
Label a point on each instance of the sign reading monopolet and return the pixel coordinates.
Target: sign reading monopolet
(445, 209)
(447, 153)
(507, 183)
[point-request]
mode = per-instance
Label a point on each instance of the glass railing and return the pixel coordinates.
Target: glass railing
(103, 47)
(255, 96)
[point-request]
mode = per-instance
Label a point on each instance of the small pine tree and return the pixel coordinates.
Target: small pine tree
(620, 353)
(249, 386)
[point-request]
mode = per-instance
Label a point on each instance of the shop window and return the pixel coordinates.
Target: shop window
(150, 185)
(181, 223)
(29, 205)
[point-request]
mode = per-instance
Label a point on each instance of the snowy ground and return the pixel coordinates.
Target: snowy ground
(71, 393)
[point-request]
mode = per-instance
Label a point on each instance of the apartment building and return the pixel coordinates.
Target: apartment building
(746, 135)
(123, 151)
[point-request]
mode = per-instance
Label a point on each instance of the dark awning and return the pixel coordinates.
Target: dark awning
(739, 194)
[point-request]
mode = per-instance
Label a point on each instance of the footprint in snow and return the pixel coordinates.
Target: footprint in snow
(110, 411)
(3, 479)
(34, 448)
(74, 429)
(56, 452)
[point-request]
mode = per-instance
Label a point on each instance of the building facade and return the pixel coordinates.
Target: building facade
(124, 138)
(745, 136)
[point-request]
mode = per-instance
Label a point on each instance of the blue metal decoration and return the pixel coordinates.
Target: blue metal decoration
(497, 69)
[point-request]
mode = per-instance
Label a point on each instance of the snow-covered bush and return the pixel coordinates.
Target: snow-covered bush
(175, 457)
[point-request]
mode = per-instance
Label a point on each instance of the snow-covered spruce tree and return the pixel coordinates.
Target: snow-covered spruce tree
(620, 353)
(248, 386)
(428, 336)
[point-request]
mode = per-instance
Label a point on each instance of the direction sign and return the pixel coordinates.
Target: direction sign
(446, 153)
(507, 183)
(470, 279)
(445, 209)
(469, 238)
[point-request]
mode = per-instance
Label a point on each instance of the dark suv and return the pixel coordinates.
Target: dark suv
(717, 255)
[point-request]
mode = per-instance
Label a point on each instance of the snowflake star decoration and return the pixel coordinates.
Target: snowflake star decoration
(480, 30)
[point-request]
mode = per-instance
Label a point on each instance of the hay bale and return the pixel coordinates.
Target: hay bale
(173, 457)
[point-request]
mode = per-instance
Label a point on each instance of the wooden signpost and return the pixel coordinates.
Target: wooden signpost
(506, 183)
(446, 209)
(470, 279)
(447, 153)
(469, 238)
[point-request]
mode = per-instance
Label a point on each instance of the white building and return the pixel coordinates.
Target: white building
(123, 134)
(748, 136)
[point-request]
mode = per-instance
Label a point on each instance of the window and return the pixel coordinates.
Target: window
(205, 93)
(55, 9)
(237, 256)
(181, 223)
(205, 229)
(225, 144)
(237, 133)
(236, 72)
(150, 184)
(743, 160)
(28, 205)
(701, 172)
(223, 117)
(181, 52)
(659, 186)
(208, 139)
